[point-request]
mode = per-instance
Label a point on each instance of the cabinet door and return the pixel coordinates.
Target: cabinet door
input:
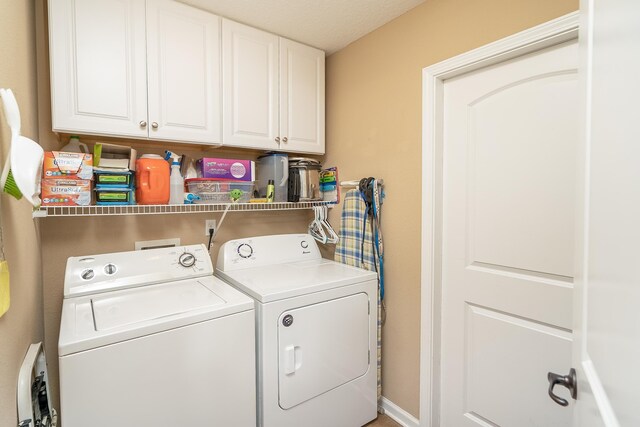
(98, 66)
(250, 87)
(301, 98)
(183, 55)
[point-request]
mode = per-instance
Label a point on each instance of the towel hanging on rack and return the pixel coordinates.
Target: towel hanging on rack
(355, 248)
(362, 208)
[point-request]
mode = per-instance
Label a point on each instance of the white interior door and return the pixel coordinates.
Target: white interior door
(511, 135)
(183, 51)
(607, 348)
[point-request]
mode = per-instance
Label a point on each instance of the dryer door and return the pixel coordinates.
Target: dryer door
(321, 347)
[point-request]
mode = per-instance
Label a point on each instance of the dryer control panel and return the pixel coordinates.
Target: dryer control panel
(93, 274)
(266, 250)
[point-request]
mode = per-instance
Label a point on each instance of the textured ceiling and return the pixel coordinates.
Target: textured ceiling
(329, 25)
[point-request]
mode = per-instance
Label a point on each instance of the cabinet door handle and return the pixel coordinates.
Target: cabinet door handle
(143, 124)
(285, 139)
(277, 139)
(154, 125)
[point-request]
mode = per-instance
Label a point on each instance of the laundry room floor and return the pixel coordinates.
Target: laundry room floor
(383, 421)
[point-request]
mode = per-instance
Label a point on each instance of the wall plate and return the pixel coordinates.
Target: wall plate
(209, 224)
(154, 244)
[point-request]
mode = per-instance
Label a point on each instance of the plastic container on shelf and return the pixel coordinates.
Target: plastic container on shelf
(152, 180)
(75, 146)
(217, 191)
(273, 166)
(114, 196)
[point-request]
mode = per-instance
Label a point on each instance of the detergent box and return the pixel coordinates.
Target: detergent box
(227, 169)
(62, 164)
(65, 192)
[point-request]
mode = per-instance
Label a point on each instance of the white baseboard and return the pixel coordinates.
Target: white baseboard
(398, 414)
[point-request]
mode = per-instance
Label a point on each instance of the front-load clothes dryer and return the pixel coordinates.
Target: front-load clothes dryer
(316, 330)
(152, 338)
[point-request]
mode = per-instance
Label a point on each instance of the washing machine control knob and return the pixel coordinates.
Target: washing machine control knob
(187, 259)
(87, 274)
(110, 269)
(245, 250)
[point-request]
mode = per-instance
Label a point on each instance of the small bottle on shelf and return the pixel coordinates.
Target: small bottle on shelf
(176, 184)
(270, 190)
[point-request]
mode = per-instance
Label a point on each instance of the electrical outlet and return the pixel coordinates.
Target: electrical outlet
(208, 225)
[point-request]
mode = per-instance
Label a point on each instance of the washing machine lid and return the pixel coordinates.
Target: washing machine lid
(96, 320)
(279, 281)
(118, 310)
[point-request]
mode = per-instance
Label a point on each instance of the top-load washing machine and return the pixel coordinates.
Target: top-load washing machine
(316, 331)
(152, 338)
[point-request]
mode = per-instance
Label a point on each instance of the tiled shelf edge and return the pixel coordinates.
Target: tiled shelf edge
(68, 211)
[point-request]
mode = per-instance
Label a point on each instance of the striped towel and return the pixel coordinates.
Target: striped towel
(349, 251)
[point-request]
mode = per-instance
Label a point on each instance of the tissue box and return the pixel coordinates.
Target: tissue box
(61, 164)
(111, 157)
(66, 192)
(227, 169)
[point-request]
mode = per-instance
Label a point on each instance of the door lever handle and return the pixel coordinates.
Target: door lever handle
(568, 381)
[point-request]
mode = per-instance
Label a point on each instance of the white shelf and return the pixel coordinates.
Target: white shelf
(58, 211)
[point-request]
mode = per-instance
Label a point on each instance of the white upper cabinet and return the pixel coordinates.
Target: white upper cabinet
(98, 66)
(145, 69)
(183, 65)
(301, 98)
(164, 70)
(250, 87)
(273, 96)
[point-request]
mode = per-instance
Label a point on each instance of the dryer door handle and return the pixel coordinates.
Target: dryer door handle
(292, 359)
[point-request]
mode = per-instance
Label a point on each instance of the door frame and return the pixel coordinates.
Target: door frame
(551, 33)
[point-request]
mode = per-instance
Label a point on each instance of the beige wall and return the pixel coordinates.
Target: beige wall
(374, 120)
(22, 324)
